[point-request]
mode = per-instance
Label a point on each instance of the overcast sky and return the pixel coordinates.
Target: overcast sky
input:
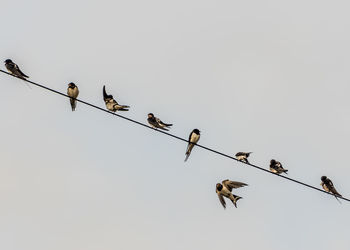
(270, 77)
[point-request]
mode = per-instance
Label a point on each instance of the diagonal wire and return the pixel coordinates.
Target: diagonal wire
(176, 137)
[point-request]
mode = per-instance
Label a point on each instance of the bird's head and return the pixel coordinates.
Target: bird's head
(8, 61)
(323, 178)
(196, 131)
(71, 85)
(218, 186)
(150, 115)
(273, 162)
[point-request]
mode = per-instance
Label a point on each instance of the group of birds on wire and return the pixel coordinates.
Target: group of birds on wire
(223, 189)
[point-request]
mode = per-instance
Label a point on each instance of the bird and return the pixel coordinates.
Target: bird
(225, 189)
(73, 92)
(155, 122)
(328, 186)
(276, 167)
(192, 140)
(14, 69)
(112, 104)
(243, 157)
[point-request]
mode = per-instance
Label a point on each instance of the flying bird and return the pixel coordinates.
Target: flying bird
(243, 157)
(157, 123)
(112, 104)
(276, 167)
(192, 140)
(14, 69)
(73, 93)
(328, 186)
(225, 190)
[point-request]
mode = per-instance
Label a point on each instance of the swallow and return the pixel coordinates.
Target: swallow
(192, 140)
(157, 123)
(328, 186)
(112, 104)
(225, 189)
(73, 93)
(276, 167)
(14, 69)
(243, 157)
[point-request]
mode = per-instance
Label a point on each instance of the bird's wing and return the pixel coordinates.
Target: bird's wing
(19, 71)
(105, 95)
(221, 198)
(154, 123)
(233, 184)
(332, 188)
(159, 121)
(189, 138)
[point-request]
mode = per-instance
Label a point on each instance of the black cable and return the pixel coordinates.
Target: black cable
(176, 137)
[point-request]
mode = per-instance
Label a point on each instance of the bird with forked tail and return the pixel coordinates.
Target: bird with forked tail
(73, 93)
(111, 104)
(243, 157)
(328, 186)
(192, 140)
(224, 189)
(14, 70)
(276, 167)
(155, 122)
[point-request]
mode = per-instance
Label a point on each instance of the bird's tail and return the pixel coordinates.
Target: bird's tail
(168, 125)
(285, 171)
(234, 199)
(124, 108)
(336, 196)
(73, 103)
(188, 151)
(187, 155)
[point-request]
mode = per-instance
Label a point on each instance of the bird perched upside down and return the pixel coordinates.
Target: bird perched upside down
(111, 104)
(225, 190)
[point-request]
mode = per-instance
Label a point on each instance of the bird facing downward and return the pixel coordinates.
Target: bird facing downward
(157, 123)
(192, 140)
(276, 167)
(224, 189)
(243, 157)
(328, 186)
(112, 104)
(73, 92)
(14, 69)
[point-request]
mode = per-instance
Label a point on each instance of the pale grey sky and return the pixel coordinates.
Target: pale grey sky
(264, 76)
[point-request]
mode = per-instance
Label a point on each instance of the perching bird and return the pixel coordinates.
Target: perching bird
(112, 104)
(14, 69)
(192, 140)
(242, 156)
(276, 167)
(73, 93)
(157, 123)
(328, 186)
(225, 189)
